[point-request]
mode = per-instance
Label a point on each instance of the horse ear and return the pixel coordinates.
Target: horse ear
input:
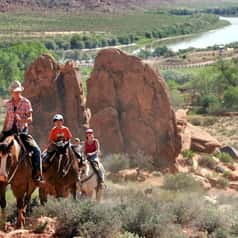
(9, 146)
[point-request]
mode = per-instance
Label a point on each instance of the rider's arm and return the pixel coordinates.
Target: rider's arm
(51, 137)
(68, 134)
(98, 147)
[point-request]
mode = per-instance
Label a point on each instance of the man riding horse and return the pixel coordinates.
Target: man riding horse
(18, 117)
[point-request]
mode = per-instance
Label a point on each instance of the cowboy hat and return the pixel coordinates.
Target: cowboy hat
(15, 87)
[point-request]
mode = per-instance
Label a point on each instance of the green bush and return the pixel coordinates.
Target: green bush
(188, 154)
(231, 98)
(224, 157)
(181, 182)
(83, 218)
(50, 45)
(184, 208)
(210, 219)
(220, 233)
(116, 162)
(210, 103)
(207, 161)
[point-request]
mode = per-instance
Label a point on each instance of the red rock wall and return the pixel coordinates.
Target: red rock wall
(131, 109)
(55, 89)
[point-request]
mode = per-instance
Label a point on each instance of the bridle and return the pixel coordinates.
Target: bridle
(63, 151)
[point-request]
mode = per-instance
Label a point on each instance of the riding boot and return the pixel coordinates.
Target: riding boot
(37, 165)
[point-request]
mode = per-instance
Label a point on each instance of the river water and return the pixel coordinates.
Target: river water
(220, 36)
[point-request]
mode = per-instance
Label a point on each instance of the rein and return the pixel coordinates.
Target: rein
(14, 172)
(68, 165)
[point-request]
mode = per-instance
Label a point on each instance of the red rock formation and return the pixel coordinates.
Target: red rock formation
(55, 89)
(131, 109)
(194, 137)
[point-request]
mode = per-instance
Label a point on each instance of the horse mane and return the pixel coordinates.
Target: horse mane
(15, 148)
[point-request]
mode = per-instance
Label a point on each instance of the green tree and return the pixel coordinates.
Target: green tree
(231, 98)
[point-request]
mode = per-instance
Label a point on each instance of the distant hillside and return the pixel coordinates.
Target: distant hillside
(105, 5)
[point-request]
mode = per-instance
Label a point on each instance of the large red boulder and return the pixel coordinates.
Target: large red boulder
(54, 88)
(130, 108)
(193, 137)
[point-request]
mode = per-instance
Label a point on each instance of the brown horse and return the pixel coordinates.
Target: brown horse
(60, 173)
(18, 170)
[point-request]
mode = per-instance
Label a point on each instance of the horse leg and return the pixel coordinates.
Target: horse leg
(74, 191)
(27, 206)
(99, 192)
(43, 196)
(60, 191)
(3, 204)
(21, 211)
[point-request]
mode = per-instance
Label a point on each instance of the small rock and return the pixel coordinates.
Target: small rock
(219, 169)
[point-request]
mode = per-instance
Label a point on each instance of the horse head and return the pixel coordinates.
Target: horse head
(9, 154)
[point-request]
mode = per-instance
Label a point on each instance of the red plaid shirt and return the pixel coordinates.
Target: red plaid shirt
(23, 109)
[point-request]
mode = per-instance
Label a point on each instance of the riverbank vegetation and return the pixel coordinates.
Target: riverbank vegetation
(100, 30)
(225, 11)
(211, 89)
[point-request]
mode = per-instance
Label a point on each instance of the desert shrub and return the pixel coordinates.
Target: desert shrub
(85, 218)
(117, 162)
(210, 219)
(142, 161)
(208, 162)
(144, 216)
(185, 208)
(220, 233)
(224, 157)
(181, 182)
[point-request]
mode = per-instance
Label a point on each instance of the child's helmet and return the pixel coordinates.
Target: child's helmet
(58, 117)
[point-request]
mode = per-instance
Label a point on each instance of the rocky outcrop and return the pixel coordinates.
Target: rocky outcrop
(193, 137)
(131, 109)
(53, 88)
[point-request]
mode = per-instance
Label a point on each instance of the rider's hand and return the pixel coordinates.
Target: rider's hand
(18, 118)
